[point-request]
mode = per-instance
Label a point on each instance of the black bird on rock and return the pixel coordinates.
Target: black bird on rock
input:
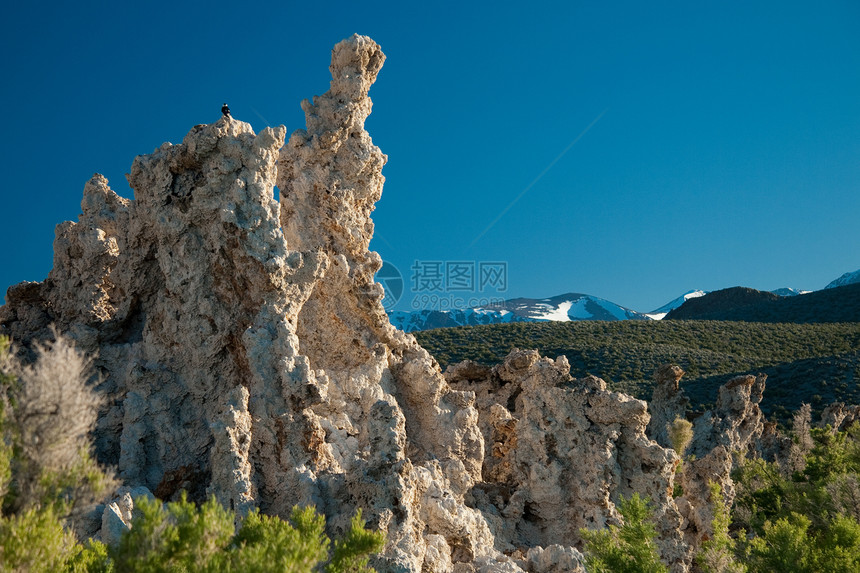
(225, 110)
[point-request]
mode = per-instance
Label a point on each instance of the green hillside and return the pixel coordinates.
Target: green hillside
(815, 363)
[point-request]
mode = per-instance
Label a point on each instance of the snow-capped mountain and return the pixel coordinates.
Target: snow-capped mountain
(788, 291)
(659, 313)
(565, 307)
(846, 279)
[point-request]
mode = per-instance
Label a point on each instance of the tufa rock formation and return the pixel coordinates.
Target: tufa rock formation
(243, 345)
(244, 352)
(734, 430)
(561, 452)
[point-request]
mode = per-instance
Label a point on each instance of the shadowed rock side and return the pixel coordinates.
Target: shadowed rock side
(245, 352)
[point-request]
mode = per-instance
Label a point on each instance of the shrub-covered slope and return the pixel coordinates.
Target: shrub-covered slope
(817, 363)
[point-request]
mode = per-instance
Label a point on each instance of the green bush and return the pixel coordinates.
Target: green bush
(803, 517)
(184, 537)
(46, 473)
(680, 435)
(626, 549)
(34, 540)
(788, 545)
(718, 553)
(820, 486)
(350, 553)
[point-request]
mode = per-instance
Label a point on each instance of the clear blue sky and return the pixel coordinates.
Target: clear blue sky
(726, 149)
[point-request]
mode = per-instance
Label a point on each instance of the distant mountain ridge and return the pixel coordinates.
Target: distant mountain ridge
(719, 301)
(661, 312)
(736, 303)
(569, 306)
(562, 308)
(428, 319)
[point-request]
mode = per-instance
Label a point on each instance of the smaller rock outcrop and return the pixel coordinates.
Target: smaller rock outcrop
(731, 431)
(117, 514)
(839, 416)
(561, 454)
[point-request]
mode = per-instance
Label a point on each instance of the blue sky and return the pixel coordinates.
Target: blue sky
(647, 148)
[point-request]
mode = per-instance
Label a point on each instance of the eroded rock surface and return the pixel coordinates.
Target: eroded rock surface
(562, 452)
(668, 402)
(839, 416)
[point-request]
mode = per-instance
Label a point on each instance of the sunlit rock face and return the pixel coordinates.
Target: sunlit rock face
(245, 353)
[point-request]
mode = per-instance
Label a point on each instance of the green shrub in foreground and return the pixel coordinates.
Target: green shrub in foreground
(35, 541)
(626, 549)
(47, 476)
(184, 537)
(788, 545)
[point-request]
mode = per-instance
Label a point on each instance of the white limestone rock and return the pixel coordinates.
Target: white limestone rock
(555, 559)
(118, 514)
(734, 428)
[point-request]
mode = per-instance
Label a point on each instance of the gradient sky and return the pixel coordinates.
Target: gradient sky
(628, 150)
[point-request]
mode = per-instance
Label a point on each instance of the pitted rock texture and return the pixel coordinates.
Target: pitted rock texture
(839, 416)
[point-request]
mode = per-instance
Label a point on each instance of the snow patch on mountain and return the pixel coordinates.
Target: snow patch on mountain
(788, 291)
(569, 306)
(559, 312)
